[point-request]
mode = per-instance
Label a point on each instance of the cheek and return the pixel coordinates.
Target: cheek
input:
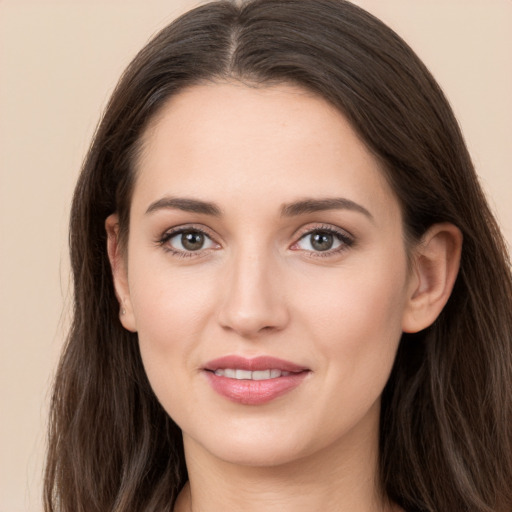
(356, 319)
(167, 327)
(167, 300)
(174, 310)
(368, 295)
(171, 309)
(355, 328)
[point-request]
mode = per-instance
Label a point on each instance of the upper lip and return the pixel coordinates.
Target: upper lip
(253, 364)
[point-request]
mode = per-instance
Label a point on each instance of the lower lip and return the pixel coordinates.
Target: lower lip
(254, 392)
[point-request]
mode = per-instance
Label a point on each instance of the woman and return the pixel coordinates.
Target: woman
(290, 292)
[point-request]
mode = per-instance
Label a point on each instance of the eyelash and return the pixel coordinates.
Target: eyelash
(346, 240)
(342, 236)
(168, 235)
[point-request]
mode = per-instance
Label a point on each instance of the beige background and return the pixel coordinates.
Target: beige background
(59, 60)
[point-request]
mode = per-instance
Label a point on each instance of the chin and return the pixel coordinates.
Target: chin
(256, 454)
(258, 445)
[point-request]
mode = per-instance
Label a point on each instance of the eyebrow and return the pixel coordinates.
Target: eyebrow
(186, 205)
(317, 205)
(296, 208)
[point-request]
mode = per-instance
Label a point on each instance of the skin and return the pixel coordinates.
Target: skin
(259, 287)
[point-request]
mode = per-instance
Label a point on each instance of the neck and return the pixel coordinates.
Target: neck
(341, 478)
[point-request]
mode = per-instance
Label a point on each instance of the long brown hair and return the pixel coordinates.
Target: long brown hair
(446, 421)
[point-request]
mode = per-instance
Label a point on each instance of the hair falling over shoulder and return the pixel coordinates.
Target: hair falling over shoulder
(446, 421)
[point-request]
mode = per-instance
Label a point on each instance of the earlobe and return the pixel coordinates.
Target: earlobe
(436, 261)
(119, 273)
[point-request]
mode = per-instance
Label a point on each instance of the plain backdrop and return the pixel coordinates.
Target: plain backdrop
(59, 61)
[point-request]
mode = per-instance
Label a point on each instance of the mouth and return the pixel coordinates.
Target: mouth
(238, 374)
(253, 381)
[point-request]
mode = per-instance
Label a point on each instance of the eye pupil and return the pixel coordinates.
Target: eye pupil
(192, 240)
(322, 241)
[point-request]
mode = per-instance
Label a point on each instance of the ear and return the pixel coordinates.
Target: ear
(436, 261)
(119, 273)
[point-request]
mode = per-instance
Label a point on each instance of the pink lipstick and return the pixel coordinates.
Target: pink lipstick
(253, 381)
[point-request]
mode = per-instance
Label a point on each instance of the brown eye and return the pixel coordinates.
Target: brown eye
(192, 240)
(321, 241)
(187, 241)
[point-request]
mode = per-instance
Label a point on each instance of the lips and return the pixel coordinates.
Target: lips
(253, 381)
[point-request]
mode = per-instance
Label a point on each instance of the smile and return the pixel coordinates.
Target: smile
(239, 374)
(253, 381)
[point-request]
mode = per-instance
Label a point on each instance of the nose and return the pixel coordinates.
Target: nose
(254, 297)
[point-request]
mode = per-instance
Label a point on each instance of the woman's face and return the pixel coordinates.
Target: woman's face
(267, 275)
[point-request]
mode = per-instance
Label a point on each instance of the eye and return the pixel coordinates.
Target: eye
(323, 240)
(187, 240)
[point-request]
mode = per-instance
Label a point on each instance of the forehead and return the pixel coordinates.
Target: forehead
(221, 141)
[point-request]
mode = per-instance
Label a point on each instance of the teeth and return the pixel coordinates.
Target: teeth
(243, 374)
(264, 374)
(238, 374)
